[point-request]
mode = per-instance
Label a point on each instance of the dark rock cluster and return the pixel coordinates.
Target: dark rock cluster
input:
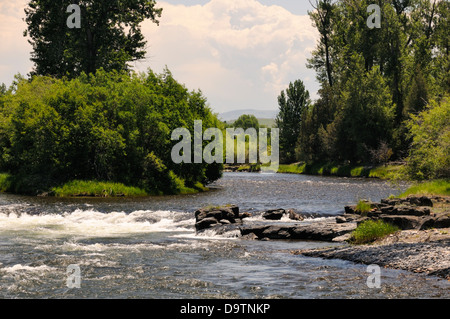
(407, 213)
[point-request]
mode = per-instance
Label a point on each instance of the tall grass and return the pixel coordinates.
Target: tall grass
(96, 189)
(330, 169)
(363, 207)
(436, 187)
(371, 230)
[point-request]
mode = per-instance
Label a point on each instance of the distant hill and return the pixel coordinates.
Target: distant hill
(259, 114)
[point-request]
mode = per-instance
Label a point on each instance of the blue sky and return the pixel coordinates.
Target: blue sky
(240, 53)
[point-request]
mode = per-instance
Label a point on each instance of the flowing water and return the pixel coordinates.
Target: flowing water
(148, 248)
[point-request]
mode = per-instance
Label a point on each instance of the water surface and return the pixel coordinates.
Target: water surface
(147, 247)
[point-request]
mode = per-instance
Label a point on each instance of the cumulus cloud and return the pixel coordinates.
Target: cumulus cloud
(241, 53)
(14, 48)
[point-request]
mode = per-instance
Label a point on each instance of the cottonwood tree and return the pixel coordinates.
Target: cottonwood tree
(109, 36)
(292, 103)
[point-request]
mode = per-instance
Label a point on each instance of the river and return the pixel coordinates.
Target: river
(147, 247)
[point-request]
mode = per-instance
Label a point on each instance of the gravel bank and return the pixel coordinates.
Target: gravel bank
(417, 251)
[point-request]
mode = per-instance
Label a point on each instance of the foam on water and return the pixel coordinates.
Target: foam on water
(92, 223)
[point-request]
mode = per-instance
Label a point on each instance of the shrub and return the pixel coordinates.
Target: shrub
(363, 206)
(371, 230)
(429, 156)
(107, 126)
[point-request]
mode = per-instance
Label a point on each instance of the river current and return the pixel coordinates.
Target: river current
(148, 248)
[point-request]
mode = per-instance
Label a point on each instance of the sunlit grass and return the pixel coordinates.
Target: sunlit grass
(363, 207)
(371, 230)
(436, 187)
(80, 188)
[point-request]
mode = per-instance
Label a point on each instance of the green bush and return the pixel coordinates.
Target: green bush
(371, 230)
(363, 207)
(429, 156)
(5, 182)
(106, 126)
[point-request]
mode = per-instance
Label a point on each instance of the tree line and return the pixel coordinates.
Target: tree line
(82, 114)
(378, 87)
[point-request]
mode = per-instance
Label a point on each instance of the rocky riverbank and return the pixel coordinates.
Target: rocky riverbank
(420, 251)
(421, 245)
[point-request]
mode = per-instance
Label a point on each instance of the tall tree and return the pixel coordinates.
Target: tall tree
(322, 19)
(292, 103)
(109, 35)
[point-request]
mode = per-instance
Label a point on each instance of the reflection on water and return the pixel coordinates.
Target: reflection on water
(147, 247)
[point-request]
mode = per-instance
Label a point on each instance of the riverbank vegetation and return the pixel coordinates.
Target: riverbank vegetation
(83, 123)
(384, 94)
(370, 230)
(107, 127)
(331, 169)
(435, 187)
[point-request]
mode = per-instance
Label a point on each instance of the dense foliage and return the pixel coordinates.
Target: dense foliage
(109, 35)
(246, 121)
(108, 126)
(374, 84)
(430, 150)
(292, 103)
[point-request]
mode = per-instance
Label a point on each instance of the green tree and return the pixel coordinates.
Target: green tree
(246, 121)
(312, 143)
(364, 118)
(321, 59)
(429, 156)
(108, 126)
(109, 37)
(292, 103)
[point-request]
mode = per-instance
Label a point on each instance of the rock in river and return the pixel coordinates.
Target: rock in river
(215, 216)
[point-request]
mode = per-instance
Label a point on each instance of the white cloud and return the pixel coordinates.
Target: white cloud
(241, 53)
(14, 48)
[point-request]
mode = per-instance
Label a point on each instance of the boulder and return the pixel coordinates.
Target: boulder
(274, 214)
(322, 231)
(410, 200)
(420, 201)
(341, 219)
(206, 223)
(404, 222)
(351, 210)
(294, 216)
(214, 216)
(245, 215)
(411, 210)
(435, 222)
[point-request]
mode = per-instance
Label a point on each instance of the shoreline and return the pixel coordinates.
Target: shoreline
(419, 247)
(384, 172)
(420, 244)
(94, 189)
(420, 251)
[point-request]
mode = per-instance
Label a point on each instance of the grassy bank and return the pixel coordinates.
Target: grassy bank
(382, 172)
(436, 187)
(96, 189)
(369, 231)
(80, 188)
